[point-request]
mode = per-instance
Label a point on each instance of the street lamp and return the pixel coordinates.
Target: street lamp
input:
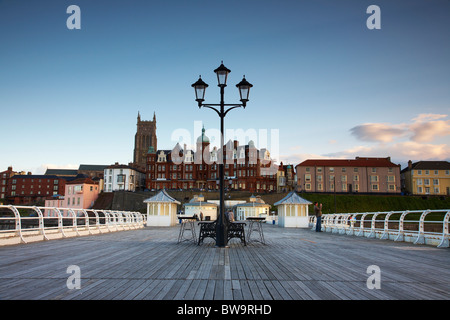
(244, 90)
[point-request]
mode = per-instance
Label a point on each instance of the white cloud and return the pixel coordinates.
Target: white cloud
(378, 132)
(402, 142)
(428, 131)
(43, 167)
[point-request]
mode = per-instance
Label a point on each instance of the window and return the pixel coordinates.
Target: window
(374, 187)
(307, 177)
(436, 182)
(391, 178)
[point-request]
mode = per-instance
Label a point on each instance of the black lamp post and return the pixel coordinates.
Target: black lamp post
(244, 90)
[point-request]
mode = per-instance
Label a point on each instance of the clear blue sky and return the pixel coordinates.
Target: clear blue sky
(330, 86)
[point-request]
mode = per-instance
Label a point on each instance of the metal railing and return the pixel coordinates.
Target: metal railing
(391, 225)
(23, 224)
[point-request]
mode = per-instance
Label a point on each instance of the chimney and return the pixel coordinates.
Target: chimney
(409, 165)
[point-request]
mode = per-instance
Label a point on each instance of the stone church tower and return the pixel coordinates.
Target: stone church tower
(144, 138)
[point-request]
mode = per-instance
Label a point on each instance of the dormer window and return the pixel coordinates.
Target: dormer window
(162, 157)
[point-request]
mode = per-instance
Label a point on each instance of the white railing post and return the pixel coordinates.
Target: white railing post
(421, 234)
(361, 225)
(18, 223)
(372, 233)
(41, 222)
(351, 230)
(445, 232)
(400, 235)
(385, 235)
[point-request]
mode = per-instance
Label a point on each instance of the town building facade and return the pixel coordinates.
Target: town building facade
(4, 177)
(121, 177)
(426, 178)
(26, 189)
(245, 167)
(359, 175)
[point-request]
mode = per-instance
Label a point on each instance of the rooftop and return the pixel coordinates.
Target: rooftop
(357, 162)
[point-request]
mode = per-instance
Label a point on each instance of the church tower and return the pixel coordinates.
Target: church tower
(144, 138)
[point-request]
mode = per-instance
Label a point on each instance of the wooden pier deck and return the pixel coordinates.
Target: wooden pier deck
(295, 264)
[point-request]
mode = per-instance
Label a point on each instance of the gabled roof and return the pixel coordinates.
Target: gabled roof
(431, 165)
(292, 198)
(161, 196)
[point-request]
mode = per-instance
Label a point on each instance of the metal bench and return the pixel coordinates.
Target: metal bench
(208, 230)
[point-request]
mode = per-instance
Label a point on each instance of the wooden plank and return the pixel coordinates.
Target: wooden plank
(295, 264)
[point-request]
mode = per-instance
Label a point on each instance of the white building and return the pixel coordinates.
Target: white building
(161, 210)
(255, 208)
(120, 177)
(293, 211)
(198, 206)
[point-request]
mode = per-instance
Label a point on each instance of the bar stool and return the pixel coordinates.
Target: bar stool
(187, 223)
(255, 224)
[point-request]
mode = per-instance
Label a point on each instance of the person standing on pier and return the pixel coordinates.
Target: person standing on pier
(318, 213)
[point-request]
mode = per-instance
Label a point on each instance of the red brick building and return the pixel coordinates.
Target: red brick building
(26, 189)
(245, 167)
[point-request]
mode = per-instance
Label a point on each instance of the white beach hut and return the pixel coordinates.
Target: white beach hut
(293, 211)
(161, 210)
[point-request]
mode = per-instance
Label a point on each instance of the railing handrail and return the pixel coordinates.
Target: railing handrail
(339, 222)
(113, 220)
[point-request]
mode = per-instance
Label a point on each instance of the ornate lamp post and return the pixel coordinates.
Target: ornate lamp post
(244, 90)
